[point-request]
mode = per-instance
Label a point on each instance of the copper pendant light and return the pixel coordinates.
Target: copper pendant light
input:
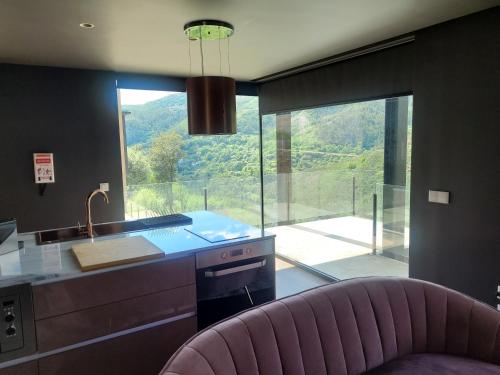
(211, 99)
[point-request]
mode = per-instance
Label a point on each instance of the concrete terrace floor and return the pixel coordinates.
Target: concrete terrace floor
(292, 280)
(339, 247)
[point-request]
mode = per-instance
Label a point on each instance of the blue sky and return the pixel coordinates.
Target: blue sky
(141, 96)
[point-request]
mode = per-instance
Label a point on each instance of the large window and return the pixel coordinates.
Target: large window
(336, 186)
(335, 178)
(168, 171)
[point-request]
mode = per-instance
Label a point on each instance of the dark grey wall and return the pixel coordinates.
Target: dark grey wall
(74, 114)
(456, 147)
(384, 73)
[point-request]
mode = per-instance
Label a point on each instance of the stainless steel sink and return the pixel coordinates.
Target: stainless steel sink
(77, 233)
(118, 227)
(60, 235)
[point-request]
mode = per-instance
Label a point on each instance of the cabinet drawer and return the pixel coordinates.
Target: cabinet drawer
(28, 368)
(71, 328)
(65, 296)
(144, 353)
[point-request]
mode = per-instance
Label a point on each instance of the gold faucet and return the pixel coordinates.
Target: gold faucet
(90, 230)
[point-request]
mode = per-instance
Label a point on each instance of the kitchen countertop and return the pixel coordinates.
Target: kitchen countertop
(44, 263)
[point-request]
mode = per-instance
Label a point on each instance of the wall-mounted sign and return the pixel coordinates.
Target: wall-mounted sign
(44, 168)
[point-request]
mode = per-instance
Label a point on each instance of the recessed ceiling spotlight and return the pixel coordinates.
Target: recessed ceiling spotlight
(86, 25)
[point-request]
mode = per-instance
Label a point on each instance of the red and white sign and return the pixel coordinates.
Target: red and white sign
(44, 168)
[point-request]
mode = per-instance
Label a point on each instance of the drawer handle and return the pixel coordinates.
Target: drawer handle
(237, 269)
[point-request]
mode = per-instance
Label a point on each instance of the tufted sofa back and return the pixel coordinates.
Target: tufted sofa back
(345, 328)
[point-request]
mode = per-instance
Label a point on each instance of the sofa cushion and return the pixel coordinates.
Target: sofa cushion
(349, 328)
(435, 364)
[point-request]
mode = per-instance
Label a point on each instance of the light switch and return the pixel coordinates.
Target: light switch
(104, 186)
(441, 197)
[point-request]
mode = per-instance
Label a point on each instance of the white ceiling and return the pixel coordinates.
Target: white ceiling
(147, 35)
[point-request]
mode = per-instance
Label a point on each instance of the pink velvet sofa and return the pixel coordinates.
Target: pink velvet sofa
(360, 326)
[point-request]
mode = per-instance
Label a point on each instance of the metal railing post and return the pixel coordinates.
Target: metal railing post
(374, 227)
(205, 193)
(353, 195)
(288, 192)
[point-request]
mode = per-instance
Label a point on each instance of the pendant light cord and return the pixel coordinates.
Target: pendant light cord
(201, 52)
(189, 52)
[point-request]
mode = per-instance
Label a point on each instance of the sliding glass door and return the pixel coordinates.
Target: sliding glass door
(336, 182)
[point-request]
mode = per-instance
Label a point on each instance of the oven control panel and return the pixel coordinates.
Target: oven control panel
(234, 253)
(11, 328)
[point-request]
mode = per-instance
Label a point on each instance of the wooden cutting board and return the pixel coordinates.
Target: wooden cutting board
(107, 253)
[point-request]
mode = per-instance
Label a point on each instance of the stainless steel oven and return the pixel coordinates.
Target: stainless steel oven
(232, 279)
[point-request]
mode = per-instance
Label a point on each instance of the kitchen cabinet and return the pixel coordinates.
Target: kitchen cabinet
(122, 321)
(113, 285)
(96, 305)
(71, 328)
(130, 319)
(144, 352)
(28, 368)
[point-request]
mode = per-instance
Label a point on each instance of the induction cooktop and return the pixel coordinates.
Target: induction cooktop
(226, 230)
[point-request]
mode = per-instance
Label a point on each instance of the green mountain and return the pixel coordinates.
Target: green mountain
(149, 119)
(204, 156)
(329, 146)
(342, 136)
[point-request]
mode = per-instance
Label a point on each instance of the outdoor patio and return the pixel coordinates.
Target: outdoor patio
(340, 247)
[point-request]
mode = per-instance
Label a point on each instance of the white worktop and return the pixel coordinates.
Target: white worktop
(44, 263)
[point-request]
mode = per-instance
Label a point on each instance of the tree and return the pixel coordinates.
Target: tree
(138, 169)
(165, 153)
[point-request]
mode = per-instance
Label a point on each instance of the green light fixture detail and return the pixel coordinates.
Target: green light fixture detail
(208, 30)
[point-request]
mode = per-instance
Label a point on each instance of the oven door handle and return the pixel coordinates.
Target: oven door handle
(228, 271)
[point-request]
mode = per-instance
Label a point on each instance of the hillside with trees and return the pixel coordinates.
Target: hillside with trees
(202, 156)
(336, 143)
